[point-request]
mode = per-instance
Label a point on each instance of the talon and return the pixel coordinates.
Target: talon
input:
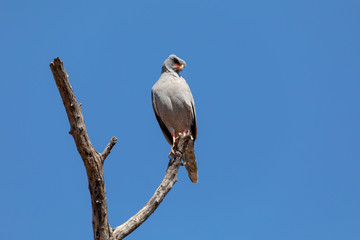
(174, 142)
(171, 151)
(185, 132)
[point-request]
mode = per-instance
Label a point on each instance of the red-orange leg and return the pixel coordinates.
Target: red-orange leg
(174, 141)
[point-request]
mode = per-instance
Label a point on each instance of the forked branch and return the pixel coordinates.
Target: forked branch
(94, 161)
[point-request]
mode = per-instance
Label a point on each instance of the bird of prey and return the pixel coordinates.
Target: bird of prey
(174, 109)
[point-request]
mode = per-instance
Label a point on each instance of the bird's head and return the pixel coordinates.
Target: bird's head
(173, 63)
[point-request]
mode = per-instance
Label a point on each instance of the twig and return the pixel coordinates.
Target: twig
(108, 148)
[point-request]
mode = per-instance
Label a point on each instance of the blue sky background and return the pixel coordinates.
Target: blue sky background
(276, 86)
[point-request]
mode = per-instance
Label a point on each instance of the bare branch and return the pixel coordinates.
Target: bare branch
(108, 148)
(167, 183)
(92, 159)
(93, 162)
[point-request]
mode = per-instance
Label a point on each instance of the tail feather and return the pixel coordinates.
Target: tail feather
(190, 163)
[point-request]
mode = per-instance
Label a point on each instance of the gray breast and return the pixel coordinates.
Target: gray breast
(173, 100)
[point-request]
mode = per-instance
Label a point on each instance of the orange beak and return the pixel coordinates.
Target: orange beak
(179, 67)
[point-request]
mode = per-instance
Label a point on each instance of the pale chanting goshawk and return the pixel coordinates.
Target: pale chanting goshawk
(174, 109)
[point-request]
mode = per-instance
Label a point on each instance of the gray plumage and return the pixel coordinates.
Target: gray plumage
(174, 109)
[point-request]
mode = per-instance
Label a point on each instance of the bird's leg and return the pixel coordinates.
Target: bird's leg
(174, 142)
(185, 132)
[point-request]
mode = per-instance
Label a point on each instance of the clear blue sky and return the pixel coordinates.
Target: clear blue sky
(277, 91)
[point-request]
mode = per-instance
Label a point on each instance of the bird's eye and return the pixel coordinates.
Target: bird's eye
(176, 61)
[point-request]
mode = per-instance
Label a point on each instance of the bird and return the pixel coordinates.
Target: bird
(174, 108)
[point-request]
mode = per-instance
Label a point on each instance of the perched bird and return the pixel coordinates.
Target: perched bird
(174, 109)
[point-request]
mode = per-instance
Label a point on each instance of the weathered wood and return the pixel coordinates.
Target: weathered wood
(92, 159)
(93, 162)
(167, 183)
(108, 148)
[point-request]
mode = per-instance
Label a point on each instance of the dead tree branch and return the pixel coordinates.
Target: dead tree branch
(108, 148)
(167, 183)
(94, 161)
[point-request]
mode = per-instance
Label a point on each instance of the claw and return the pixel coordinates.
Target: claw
(174, 142)
(171, 151)
(186, 131)
(175, 139)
